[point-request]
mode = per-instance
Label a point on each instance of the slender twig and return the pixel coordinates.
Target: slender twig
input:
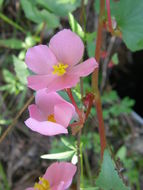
(79, 160)
(15, 119)
(95, 79)
(79, 149)
(11, 22)
(69, 92)
(109, 16)
(91, 99)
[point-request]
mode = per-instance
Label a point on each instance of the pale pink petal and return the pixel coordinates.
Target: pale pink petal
(58, 187)
(67, 47)
(40, 59)
(60, 172)
(60, 83)
(46, 101)
(46, 127)
(35, 113)
(63, 113)
(85, 68)
(37, 82)
(30, 188)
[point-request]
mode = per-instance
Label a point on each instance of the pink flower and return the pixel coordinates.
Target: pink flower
(56, 66)
(57, 177)
(50, 115)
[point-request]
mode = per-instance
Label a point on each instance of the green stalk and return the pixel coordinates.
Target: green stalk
(11, 22)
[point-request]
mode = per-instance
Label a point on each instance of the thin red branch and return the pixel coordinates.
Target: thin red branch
(95, 79)
(109, 16)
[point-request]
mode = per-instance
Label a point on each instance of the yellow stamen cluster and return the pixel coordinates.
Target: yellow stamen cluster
(59, 69)
(51, 118)
(44, 185)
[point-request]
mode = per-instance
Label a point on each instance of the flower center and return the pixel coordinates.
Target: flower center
(51, 118)
(59, 69)
(44, 185)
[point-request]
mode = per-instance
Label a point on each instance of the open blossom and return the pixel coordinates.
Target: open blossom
(57, 177)
(57, 67)
(50, 115)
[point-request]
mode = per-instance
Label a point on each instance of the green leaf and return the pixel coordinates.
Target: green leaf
(91, 49)
(59, 7)
(8, 76)
(58, 156)
(30, 11)
(1, 2)
(122, 153)
(11, 43)
(129, 17)
(4, 181)
(38, 16)
(74, 159)
(67, 144)
(20, 69)
(51, 19)
(115, 59)
(108, 178)
(29, 41)
(75, 26)
(90, 38)
(109, 97)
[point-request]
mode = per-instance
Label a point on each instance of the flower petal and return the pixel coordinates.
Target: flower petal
(37, 82)
(40, 59)
(85, 68)
(45, 128)
(58, 187)
(47, 101)
(67, 47)
(35, 113)
(60, 172)
(63, 113)
(60, 83)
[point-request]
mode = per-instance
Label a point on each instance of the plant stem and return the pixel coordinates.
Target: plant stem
(69, 92)
(11, 22)
(95, 79)
(79, 160)
(87, 165)
(109, 16)
(15, 119)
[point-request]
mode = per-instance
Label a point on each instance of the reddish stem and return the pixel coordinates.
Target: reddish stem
(69, 92)
(109, 16)
(91, 99)
(95, 79)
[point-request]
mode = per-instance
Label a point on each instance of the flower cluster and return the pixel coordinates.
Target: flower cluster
(56, 67)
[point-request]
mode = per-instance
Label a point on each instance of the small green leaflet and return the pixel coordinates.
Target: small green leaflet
(59, 7)
(20, 69)
(1, 2)
(129, 17)
(75, 26)
(59, 156)
(34, 14)
(11, 43)
(108, 178)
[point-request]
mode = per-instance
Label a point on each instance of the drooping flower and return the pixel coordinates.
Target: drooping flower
(58, 176)
(50, 115)
(57, 66)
